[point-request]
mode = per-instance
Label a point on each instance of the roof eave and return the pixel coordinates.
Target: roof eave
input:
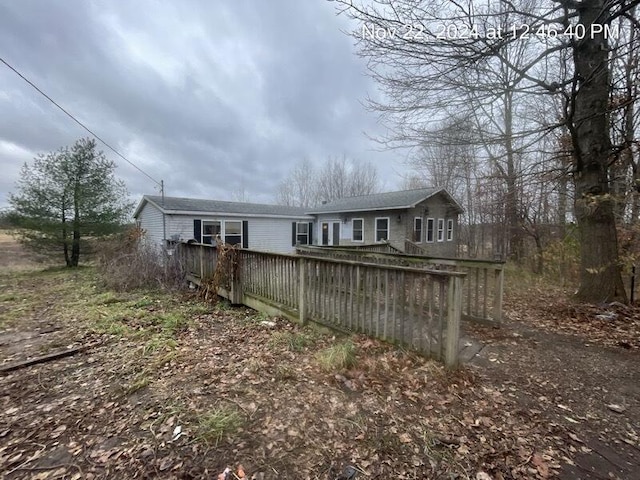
(451, 199)
(349, 210)
(144, 200)
(236, 214)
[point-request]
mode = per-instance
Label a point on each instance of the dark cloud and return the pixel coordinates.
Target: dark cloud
(213, 98)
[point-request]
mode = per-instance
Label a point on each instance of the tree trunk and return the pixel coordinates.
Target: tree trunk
(512, 200)
(562, 204)
(539, 265)
(65, 239)
(75, 248)
(75, 245)
(600, 276)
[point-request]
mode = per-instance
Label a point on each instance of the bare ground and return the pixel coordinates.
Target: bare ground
(263, 393)
(567, 366)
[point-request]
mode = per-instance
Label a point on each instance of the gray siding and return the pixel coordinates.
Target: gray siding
(434, 208)
(150, 220)
(400, 226)
(266, 234)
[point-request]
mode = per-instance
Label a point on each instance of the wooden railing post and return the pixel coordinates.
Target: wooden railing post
(235, 280)
(201, 262)
(454, 311)
(497, 296)
(302, 290)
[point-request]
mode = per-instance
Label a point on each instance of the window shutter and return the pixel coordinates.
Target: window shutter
(245, 234)
(310, 233)
(197, 230)
(294, 232)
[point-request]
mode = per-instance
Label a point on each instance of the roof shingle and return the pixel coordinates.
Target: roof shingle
(178, 204)
(380, 201)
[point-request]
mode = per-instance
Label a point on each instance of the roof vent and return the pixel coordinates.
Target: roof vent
(324, 202)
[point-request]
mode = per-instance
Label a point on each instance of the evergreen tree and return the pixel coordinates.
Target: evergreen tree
(67, 196)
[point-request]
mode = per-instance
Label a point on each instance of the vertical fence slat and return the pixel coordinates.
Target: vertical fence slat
(477, 289)
(378, 295)
(485, 292)
(454, 303)
(411, 317)
(497, 295)
(441, 319)
(358, 298)
(351, 295)
(432, 310)
(394, 305)
(387, 299)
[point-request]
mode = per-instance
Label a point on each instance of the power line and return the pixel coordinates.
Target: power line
(160, 184)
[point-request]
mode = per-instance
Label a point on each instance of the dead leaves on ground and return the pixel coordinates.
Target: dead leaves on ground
(236, 389)
(612, 324)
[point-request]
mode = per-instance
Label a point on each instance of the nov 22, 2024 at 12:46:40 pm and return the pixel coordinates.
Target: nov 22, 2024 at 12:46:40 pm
(455, 31)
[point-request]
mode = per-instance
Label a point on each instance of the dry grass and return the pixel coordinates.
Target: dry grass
(15, 258)
(220, 421)
(338, 357)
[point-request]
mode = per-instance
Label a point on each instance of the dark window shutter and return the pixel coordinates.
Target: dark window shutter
(197, 230)
(245, 234)
(310, 233)
(294, 233)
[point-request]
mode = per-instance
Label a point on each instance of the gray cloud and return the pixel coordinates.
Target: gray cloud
(211, 97)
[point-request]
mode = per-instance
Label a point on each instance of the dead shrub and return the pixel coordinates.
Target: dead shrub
(126, 263)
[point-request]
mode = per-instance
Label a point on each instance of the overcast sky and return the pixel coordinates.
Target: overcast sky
(212, 97)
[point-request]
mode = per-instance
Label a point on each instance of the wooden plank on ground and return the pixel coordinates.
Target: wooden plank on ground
(44, 358)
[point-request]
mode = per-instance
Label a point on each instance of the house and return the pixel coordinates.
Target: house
(426, 217)
(274, 228)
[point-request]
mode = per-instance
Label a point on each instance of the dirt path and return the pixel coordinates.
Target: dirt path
(562, 369)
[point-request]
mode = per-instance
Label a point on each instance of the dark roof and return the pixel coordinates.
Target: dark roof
(383, 201)
(197, 205)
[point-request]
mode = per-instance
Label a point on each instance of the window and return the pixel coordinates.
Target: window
(382, 229)
(302, 233)
(210, 230)
(441, 229)
(430, 226)
(417, 230)
(357, 230)
(449, 230)
(233, 232)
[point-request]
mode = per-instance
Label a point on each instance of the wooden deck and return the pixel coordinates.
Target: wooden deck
(417, 308)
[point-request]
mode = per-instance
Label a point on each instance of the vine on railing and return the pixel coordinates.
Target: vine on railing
(226, 270)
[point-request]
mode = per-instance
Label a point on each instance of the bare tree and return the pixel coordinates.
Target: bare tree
(448, 158)
(433, 56)
(363, 178)
(337, 178)
(299, 188)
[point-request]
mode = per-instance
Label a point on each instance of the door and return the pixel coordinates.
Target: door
(325, 233)
(336, 233)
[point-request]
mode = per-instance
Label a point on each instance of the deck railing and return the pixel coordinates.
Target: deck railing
(417, 308)
(381, 247)
(412, 248)
(482, 289)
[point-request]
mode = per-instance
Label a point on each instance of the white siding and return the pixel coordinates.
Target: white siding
(150, 219)
(267, 234)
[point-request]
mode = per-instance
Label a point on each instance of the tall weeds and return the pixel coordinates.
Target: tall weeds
(126, 262)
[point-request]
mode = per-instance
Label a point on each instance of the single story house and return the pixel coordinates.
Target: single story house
(427, 217)
(274, 228)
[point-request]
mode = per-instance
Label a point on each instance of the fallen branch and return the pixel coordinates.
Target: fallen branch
(45, 358)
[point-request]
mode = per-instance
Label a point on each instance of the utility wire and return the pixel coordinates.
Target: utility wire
(160, 184)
